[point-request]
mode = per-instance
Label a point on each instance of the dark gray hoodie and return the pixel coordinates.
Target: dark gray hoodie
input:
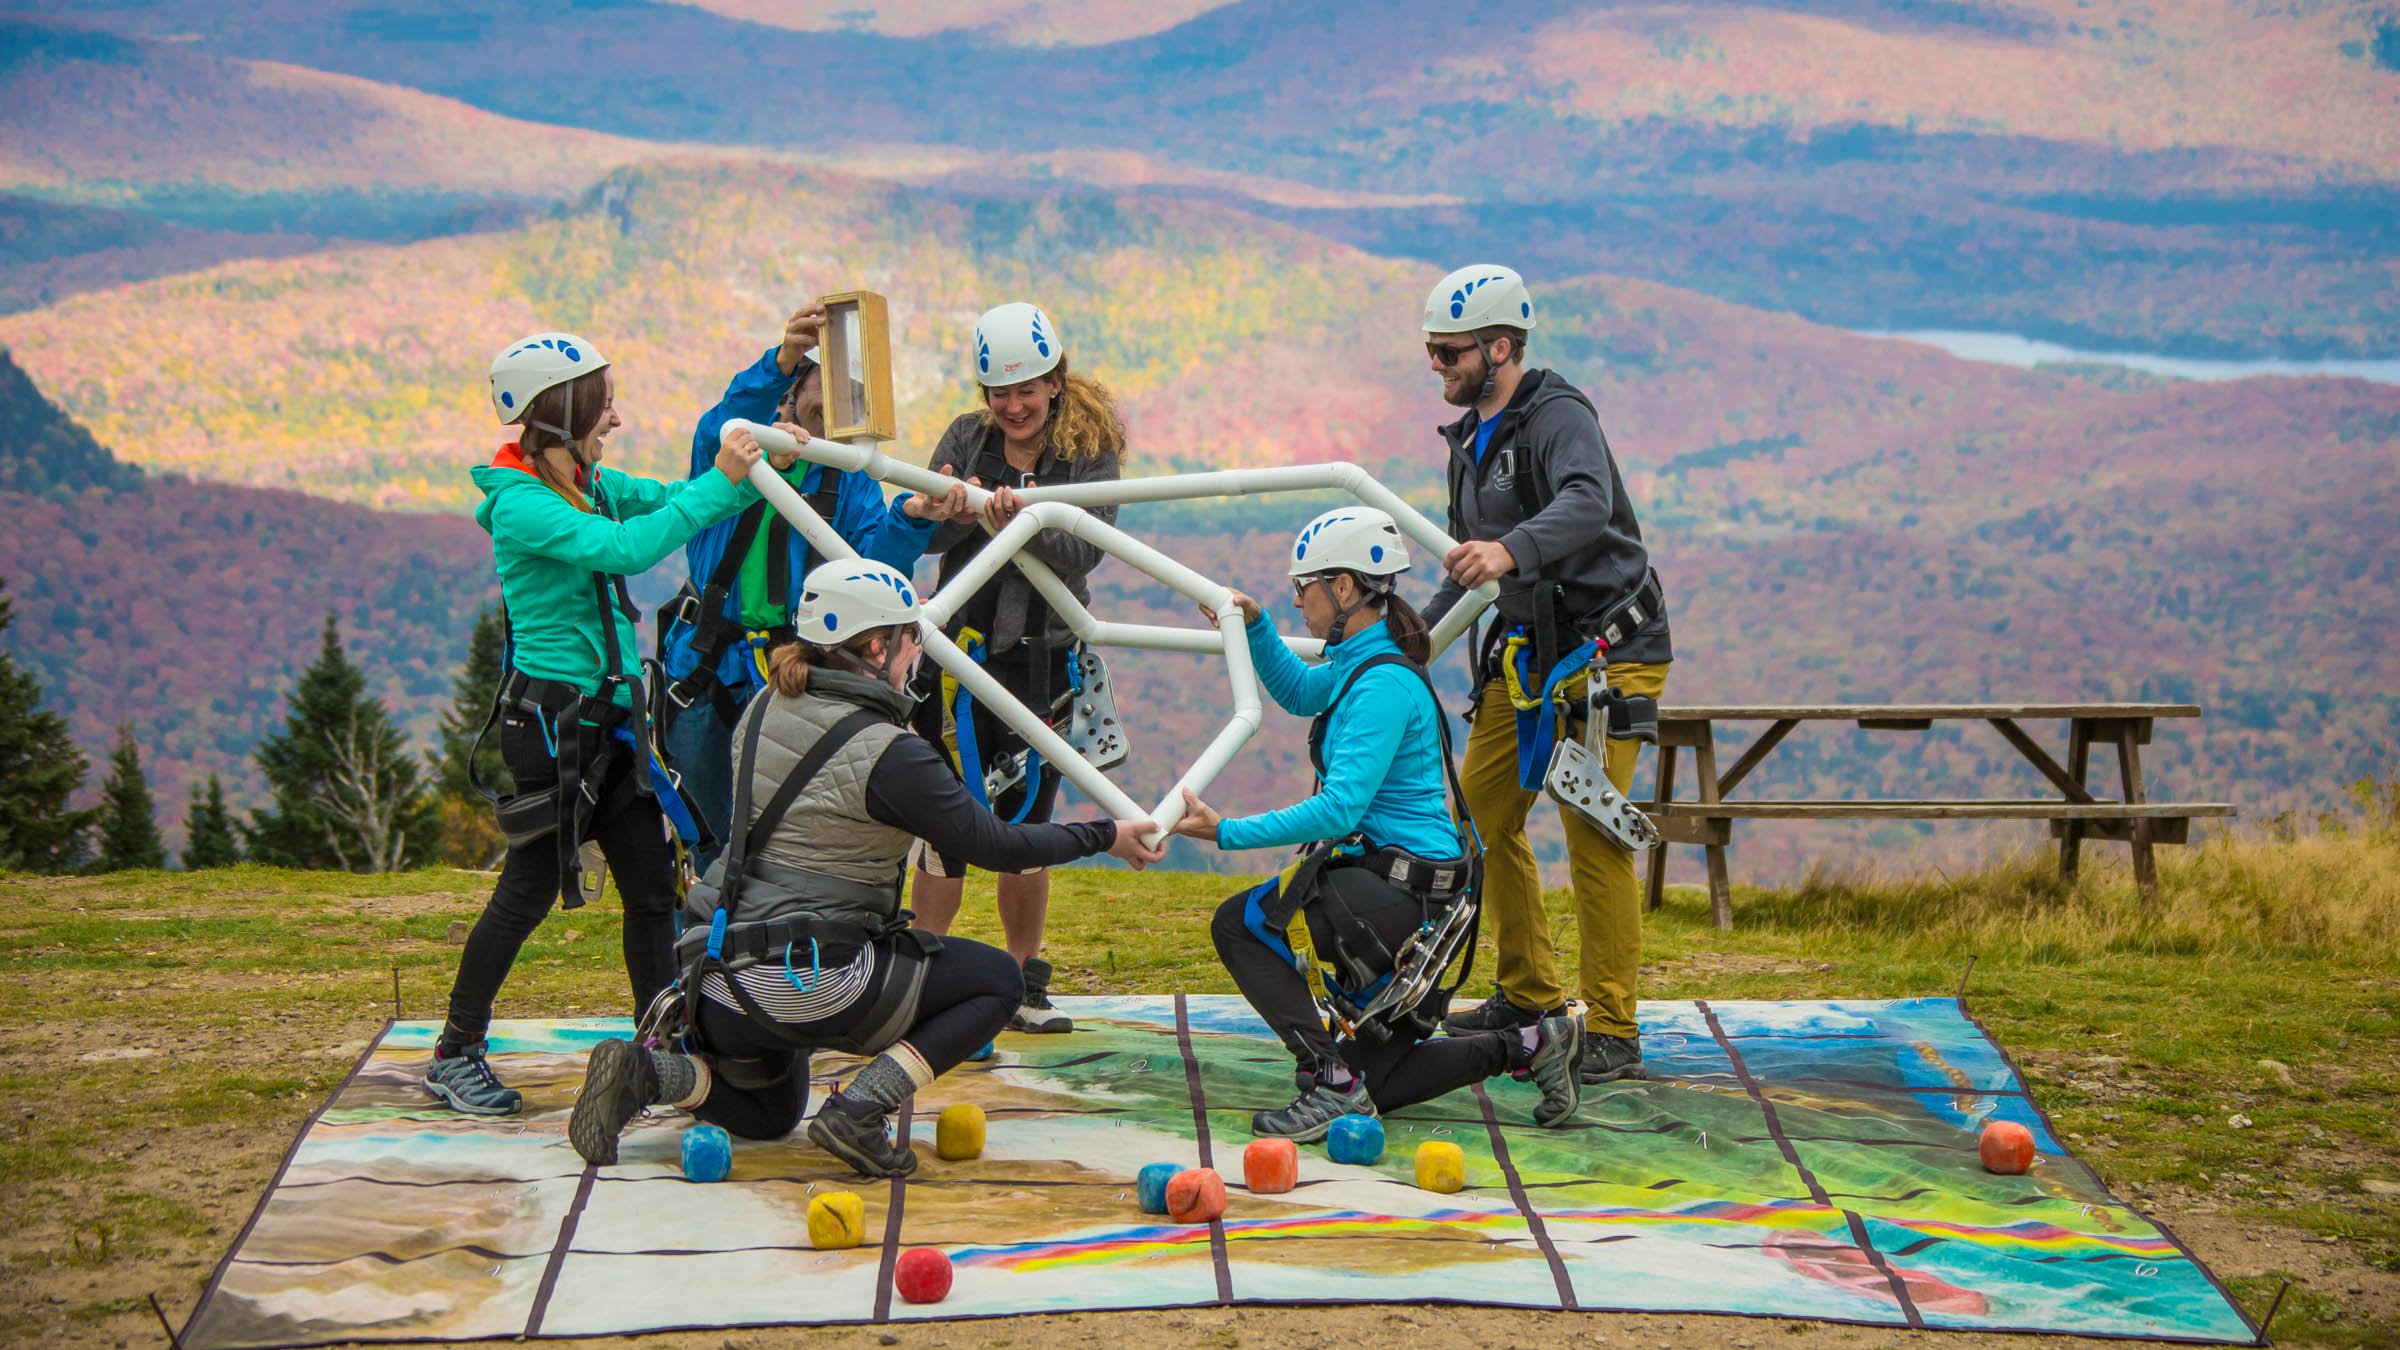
(1582, 535)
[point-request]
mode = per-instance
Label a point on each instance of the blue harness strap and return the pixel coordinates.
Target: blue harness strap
(970, 754)
(1537, 728)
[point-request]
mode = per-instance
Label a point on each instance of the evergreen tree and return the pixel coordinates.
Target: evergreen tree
(128, 830)
(40, 769)
(209, 840)
(470, 706)
(348, 795)
(470, 837)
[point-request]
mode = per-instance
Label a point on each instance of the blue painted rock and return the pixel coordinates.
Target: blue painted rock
(1355, 1139)
(1150, 1187)
(707, 1153)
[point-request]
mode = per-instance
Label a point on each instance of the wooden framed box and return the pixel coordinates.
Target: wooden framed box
(857, 351)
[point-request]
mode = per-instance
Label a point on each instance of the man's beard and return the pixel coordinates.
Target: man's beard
(1466, 394)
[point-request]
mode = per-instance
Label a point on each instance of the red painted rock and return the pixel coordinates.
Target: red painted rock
(1196, 1196)
(2007, 1148)
(922, 1275)
(1271, 1166)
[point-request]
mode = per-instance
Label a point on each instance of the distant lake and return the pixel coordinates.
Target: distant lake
(2009, 349)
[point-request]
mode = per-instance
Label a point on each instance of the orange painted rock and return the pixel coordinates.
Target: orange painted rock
(1196, 1196)
(922, 1275)
(2007, 1148)
(1271, 1166)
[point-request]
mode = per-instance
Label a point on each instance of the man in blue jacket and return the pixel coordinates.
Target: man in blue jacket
(746, 572)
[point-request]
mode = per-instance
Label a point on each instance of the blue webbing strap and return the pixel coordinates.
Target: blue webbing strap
(1537, 730)
(962, 718)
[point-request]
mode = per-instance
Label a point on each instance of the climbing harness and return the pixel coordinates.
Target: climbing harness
(587, 735)
(725, 943)
(715, 630)
(1366, 991)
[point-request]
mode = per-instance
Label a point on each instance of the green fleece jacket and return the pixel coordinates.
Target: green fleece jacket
(547, 551)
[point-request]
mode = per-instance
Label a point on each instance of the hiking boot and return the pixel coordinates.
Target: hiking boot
(617, 1083)
(1036, 1014)
(1556, 1063)
(864, 1142)
(1609, 1058)
(1313, 1112)
(1493, 1014)
(464, 1079)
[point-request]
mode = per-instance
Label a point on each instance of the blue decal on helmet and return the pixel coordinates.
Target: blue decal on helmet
(831, 620)
(507, 399)
(1375, 554)
(1525, 307)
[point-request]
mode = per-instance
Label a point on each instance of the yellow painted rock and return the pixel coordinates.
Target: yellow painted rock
(1441, 1167)
(836, 1219)
(959, 1133)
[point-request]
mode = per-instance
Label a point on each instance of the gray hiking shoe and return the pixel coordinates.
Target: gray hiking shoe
(1556, 1064)
(864, 1142)
(1609, 1058)
(1493, 1014)
(1313, 1112)
(1036, 1014)
(464, 1079)
(617, 1083)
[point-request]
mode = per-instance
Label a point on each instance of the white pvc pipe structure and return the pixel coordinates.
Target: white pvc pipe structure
(865, 458)
(1230, 641)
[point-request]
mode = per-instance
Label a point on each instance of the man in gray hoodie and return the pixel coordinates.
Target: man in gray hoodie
(1538, 505)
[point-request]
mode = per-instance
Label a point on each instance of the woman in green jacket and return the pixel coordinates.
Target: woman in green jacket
(564, 532)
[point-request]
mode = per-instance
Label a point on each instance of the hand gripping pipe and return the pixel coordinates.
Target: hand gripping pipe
(1350, 478)
(1230, 640)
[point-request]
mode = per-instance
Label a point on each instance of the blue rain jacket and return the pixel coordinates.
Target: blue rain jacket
(877, 529)
(1383, 751)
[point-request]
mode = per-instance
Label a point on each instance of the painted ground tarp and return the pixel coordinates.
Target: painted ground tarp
(1784, 1159)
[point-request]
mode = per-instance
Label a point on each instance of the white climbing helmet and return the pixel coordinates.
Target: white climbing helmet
(841, 600)
(1484, 295)
(1015, 343)
(527, 367)
(1350, 539)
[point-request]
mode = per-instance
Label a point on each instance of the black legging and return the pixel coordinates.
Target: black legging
(634, 837)
(970, 990)
(1399, 1071)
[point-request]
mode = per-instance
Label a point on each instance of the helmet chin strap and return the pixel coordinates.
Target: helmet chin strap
(1368, 593)
(1491, 372)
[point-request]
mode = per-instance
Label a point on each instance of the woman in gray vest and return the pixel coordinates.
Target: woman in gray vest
(796, 939)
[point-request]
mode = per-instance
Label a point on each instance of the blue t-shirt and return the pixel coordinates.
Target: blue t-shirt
(1483, 436)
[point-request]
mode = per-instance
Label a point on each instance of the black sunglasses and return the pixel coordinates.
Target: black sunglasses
(1447, 356)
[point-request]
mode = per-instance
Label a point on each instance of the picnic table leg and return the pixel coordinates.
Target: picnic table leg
(2129, 770)
(2070, 836)
(1720, 891)
(1658, 853)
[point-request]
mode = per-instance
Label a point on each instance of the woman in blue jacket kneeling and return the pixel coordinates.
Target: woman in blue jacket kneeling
(1387, 857)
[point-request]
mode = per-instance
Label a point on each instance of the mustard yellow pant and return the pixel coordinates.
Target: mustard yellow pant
(1608, 907)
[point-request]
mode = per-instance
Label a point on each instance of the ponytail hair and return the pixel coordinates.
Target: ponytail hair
(788, 665)
(576, 405)
(1407, 627)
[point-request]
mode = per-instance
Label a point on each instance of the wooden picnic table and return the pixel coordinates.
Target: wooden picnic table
(2074, 815)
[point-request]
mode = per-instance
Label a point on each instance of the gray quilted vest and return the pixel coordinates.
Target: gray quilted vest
(827, 857)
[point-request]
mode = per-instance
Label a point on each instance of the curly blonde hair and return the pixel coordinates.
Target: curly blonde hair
(1085, 423)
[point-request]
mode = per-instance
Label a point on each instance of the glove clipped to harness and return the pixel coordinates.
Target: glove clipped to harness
(1578, 778)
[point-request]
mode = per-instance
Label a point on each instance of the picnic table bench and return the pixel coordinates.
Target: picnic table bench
(2074, 816)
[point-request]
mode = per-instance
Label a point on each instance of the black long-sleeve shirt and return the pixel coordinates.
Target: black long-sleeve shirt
(912, 789)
